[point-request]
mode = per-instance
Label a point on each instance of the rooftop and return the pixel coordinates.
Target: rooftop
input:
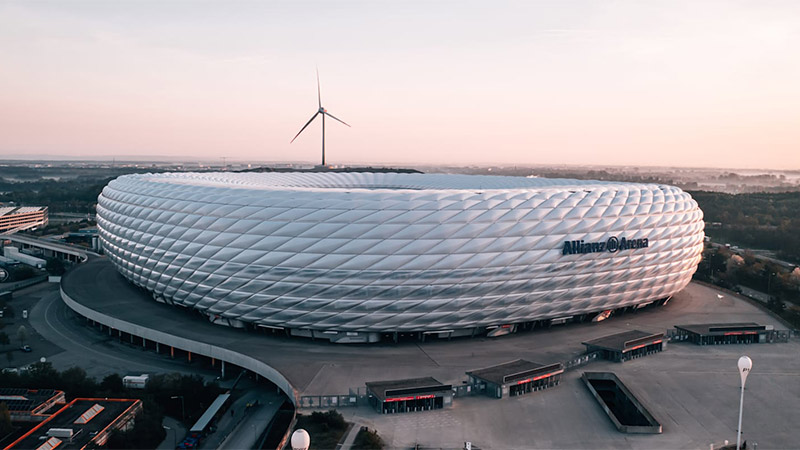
(26, 400)
(83, 417)
(515, 370)
(627, 340)
(394, 388)
(12, 210)
(721, 328)
(374, 181)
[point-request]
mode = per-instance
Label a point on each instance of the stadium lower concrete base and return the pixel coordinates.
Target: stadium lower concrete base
(691, 390)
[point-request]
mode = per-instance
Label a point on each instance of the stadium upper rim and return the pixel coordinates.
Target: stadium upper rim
(384, 181)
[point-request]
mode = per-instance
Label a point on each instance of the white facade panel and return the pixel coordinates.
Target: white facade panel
(382, 252)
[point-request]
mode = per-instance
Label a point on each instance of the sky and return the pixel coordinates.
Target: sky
(636, 83)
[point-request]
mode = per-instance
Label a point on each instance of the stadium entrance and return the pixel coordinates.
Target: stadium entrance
(728, 333)
(515, 378)
(627, 345)
(410, 395)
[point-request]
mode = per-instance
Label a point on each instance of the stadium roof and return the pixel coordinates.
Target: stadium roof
(372, 180)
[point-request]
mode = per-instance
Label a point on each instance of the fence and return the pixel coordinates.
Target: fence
(330, 401)
(581, 360)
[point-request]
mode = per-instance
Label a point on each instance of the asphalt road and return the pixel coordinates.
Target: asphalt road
(78, 345)
(25, 299)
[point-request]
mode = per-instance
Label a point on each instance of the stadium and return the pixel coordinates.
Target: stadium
(352, 256)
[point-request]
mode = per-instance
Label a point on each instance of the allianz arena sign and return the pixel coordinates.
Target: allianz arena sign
(612, 245)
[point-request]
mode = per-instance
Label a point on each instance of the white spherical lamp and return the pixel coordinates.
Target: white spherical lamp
(745, 364)
(301, 440)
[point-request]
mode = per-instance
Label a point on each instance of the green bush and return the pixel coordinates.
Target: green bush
(368, 440)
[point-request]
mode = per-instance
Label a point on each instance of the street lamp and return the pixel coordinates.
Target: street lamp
(745, 364)
(174, 435)
(769, 285)
(183, 410)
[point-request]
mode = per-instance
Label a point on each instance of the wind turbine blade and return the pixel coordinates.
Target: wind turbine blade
(304, 126)
(319, 93)
(334, 118)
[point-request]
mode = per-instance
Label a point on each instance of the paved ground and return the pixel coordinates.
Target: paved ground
(175, 433)
(97, 353)
(249, 424)
(350, 438)
(26, 299)
(754, 294)
(692, 390)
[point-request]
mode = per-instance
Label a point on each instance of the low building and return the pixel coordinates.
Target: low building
(30, 405)
(45, 248)
(515, 378)
(81, 423)
(135, 381)
(13, 253)
(409, 395)
(22, 217)
(725, 333)
(627, 345)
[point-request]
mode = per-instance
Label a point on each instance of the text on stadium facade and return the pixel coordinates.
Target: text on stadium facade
(612, 245)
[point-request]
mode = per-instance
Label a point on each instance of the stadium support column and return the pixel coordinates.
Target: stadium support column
(222, 365)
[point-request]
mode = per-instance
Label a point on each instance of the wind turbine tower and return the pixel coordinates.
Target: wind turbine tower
(321, 111)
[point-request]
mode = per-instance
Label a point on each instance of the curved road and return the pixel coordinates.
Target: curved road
(97, 353)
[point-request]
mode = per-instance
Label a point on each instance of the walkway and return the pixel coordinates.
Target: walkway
(175, 433)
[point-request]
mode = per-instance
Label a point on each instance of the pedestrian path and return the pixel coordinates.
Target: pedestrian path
(175, 433)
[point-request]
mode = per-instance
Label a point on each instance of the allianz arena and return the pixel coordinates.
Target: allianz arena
(350, 256)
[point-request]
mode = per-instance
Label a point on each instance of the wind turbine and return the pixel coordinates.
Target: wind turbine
(324, 112)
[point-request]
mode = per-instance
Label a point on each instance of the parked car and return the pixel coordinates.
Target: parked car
(26, 348)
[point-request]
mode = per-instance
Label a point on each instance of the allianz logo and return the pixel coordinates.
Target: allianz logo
(612, 245)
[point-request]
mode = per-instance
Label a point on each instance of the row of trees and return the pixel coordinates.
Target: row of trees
(725, 268)
(764, 221)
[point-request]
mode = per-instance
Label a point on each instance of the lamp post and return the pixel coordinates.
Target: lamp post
(174, 435)
(745, 364)
(769, 286)
(183, 410)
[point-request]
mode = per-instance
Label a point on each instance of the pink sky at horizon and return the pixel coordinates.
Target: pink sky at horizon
(695, 84)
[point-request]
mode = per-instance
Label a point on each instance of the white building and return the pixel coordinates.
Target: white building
(348, 256)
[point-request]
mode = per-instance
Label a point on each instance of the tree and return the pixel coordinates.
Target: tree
(42, 375)
(4, 339)
(112, 383)
(368, 440)
(22, 334)
(77, 384)
(22, 272)
(5, 420)
(55, 266)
